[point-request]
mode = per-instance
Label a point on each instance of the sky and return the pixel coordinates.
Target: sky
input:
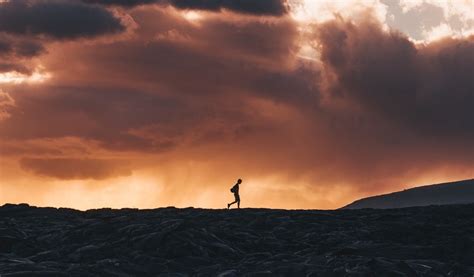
(152, 103)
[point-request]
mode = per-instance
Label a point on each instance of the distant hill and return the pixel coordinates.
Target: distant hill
(460, 192)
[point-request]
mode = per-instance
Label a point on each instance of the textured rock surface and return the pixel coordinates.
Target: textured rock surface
(424, 241)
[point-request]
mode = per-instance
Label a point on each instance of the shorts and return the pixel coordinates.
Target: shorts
(237, 197)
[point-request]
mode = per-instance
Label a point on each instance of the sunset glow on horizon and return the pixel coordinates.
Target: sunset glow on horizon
(313, 103)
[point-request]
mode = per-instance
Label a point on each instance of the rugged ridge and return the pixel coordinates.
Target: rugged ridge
(460, 192)
(423, 241)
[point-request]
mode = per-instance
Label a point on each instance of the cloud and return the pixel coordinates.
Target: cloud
(16, 51)
(29, 49)
(260, 7)
(9, 67)
(19, 47)
(425, 88)
(224, 47)
(6, 103)
(125, 3)
(57, 19)
(26, 27)
(70, 168)
(103, 115)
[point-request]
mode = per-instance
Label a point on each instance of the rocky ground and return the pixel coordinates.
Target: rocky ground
(424, 241)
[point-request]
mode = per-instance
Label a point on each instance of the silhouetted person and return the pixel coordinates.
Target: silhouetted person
(235, 191)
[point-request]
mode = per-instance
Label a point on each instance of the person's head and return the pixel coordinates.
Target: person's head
(239, 181)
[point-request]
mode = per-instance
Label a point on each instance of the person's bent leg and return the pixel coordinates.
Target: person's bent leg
(230, 204)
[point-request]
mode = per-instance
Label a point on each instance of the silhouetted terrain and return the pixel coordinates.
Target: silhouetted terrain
(461, 192)
(423, 241)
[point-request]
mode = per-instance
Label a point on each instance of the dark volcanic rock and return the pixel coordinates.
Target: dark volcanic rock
(423, 241)
(460, 192)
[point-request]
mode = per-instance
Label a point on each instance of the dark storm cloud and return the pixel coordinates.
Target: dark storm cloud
(262, 7)
(125, 3)
(5, 46)
(259, 7)
(68, 169)
(16, 52)
(20, 48)
(428, 89)
(57, 19)
(27, 25)
(29, 49)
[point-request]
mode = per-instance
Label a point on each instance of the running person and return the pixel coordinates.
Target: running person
(235, 190)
